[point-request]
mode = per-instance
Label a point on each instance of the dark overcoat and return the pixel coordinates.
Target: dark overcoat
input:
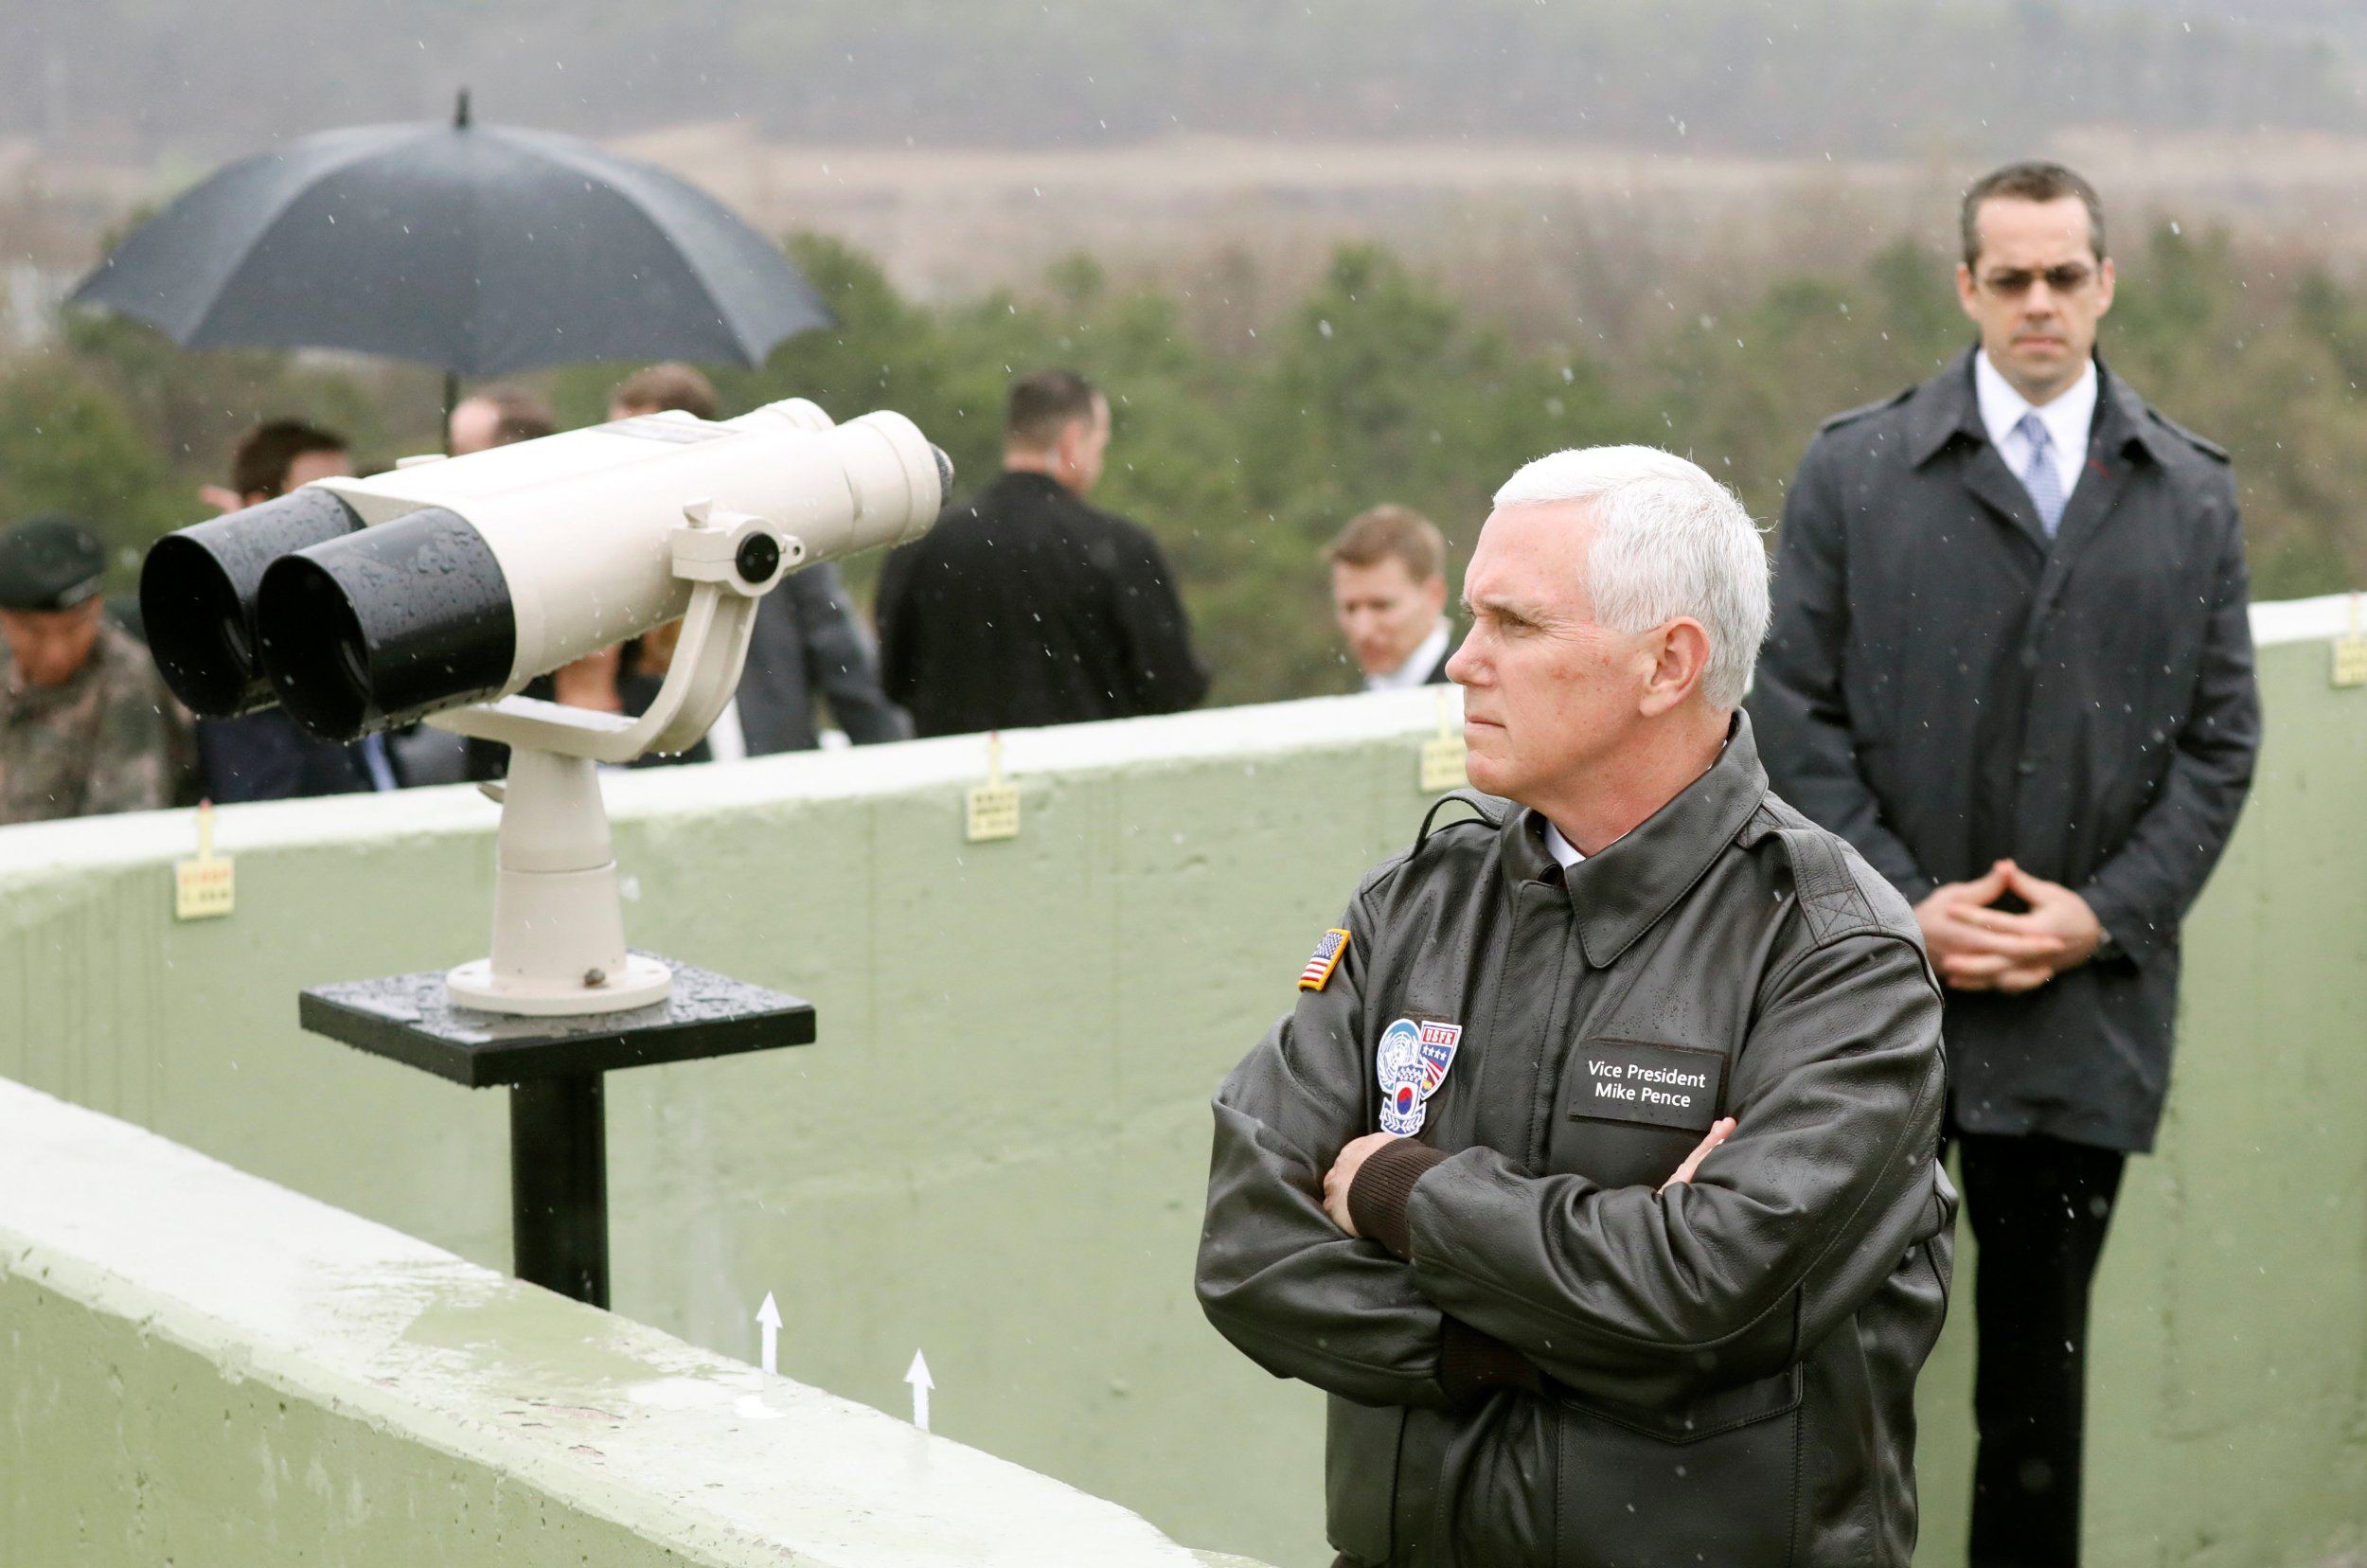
(1944, 685)
(806, 640)
(1026, 606)
(265, 756)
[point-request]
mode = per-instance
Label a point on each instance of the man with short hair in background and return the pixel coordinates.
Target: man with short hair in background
(670, 385)
(1389, 591)
(495, 417)
(86, 725)
(1024, 605)
(805, 641)
(276, 456)
(2011, 664)
(267, 755)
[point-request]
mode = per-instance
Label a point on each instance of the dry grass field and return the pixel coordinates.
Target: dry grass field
(1533, 233)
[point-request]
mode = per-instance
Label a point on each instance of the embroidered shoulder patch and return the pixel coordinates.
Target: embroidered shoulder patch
(1412, 1062)
(1317, 974)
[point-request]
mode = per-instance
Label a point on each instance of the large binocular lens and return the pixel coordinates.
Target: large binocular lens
(386, 625)
(477, 573)
(197, 597)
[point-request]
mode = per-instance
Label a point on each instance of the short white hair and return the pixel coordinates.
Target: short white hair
(1669, 541)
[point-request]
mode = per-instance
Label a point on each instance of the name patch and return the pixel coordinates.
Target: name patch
(1636, 1080)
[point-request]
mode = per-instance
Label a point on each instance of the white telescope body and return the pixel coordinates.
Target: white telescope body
(367, 603)
(443, 587)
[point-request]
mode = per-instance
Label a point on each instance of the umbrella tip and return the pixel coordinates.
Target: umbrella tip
(460, 111)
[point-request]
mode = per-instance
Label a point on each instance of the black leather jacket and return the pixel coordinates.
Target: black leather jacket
(1561, 1365)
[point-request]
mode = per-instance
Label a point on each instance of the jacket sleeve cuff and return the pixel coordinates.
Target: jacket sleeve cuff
(1378, 1197)
(1473, 1362)
(2132, 935)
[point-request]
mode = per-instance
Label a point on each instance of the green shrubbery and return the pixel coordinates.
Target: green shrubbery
(1245, 454)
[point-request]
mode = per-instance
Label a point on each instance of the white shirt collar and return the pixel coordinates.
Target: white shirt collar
(1561, 849)
(2068, 419)
(1417, 666)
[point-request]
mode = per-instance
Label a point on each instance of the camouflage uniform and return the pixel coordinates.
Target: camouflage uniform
(109, 738)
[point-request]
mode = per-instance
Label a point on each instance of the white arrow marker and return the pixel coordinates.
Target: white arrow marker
(769, 1317)
(917, 1375)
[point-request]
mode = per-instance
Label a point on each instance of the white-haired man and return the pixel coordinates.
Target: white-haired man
(1592, 1172)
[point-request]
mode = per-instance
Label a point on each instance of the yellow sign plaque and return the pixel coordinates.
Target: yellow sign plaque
(1441, 765)
(1442, 756)
(994, 805)
(206, 887)
(2350, 661)
(2350, 653)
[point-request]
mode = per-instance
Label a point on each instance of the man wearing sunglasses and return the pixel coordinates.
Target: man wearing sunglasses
(2010, 662)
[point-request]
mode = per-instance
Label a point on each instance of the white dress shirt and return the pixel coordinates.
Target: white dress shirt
(1417, 666)
(2066, 420)
(1561, 849)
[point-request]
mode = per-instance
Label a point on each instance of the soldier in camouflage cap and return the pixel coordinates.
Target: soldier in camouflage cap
(86, 725)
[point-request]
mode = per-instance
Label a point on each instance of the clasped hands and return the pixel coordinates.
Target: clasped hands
(1352, 1157)
(1976, 947)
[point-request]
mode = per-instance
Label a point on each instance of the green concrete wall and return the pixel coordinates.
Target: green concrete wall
(203, 1369)
(997, 1149)
(127, 1448)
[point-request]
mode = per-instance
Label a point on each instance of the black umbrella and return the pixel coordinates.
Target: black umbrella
(478, 249)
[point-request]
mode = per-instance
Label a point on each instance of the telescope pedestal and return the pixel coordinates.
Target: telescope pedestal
(558, 1185)
(559, 930)
(553, 1068)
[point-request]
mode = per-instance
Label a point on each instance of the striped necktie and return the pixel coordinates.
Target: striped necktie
(2038, 476)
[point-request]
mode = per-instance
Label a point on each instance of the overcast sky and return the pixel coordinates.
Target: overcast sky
(142, 79)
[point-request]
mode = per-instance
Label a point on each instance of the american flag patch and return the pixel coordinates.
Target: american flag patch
(1317, 974)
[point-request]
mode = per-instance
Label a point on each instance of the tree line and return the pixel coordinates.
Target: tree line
(1244, 451)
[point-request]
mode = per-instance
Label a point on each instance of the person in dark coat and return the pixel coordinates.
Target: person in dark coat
(1026, 605)
(266, 756)
(806, 639)
(2011, 664)
(1389, 594)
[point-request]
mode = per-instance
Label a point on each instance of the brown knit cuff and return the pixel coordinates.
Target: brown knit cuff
(1473, 1362)
(1378, 1197)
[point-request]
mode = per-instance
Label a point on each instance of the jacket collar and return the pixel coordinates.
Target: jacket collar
(1621, 893)
(2124, 420)
(1947, 406)
(1028, 482)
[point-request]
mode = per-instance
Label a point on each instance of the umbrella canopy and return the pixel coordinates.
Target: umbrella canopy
(478, 249)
